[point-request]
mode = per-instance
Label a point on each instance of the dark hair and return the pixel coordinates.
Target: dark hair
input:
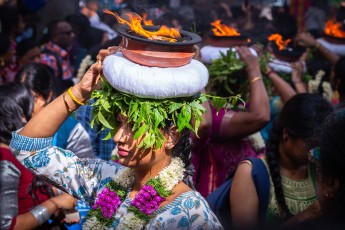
(38, 77)
(5, 44)
(332, 158)
(339, 71)
(10, 118)
(9, 19)
(21, 95)
(24, 46)
(183, 150)
(301, 116)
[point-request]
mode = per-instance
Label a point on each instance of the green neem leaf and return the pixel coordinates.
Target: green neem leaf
(148, 116)
(103, 120)
(175, 106)
(140, 131)
(133, 106)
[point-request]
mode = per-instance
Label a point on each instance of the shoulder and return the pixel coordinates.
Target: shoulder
(188, 210)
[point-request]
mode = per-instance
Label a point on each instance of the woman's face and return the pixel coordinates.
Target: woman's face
(130, 155)
(31, 56)
(295, 149)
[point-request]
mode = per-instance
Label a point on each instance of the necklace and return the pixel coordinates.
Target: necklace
(144, 204)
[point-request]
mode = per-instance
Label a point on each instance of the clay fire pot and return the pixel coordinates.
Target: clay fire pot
(334, 40)
(290, 53)
(228, 41)
(157, 53)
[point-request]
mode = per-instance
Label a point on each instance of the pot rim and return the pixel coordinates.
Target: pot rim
(122, 30)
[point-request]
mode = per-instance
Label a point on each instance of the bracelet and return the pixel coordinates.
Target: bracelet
(270, 72)
(66, 105)
(69, 91)
(317, 46)
(255, 79)
(40, 213)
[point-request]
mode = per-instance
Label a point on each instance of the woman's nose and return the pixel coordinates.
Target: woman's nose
(120, 136)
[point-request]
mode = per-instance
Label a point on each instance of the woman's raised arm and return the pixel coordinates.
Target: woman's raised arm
(48, 121)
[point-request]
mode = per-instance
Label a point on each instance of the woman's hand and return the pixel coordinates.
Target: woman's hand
(252, 62)
(65, 201)
(306, 40)
(297, 70)
(90, 80)
(310, 213)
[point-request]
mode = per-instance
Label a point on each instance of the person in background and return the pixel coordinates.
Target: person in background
(315, 17)
(219, 149)
(26, 201)
(6, 57)
(28, 52)
(90, 11)
(292, 197)
(12, 25)
(55, 53)
(330, 156)
(71, 135)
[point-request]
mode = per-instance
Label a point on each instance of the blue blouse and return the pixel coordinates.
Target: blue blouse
(84, 178)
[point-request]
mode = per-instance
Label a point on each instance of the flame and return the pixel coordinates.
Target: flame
(334, 29)
(279, 41)
(223, 30)
(163, 34)
(147, 22)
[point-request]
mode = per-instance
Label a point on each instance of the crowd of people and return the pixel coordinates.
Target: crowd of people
(58, 150)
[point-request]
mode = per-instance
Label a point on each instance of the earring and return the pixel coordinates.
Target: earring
(326, 194)
(168, 145)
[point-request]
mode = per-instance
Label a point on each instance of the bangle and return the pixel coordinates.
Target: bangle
(317, 46)
(270, 72)
(69, 91)
(66, 105)
(255, 79)
(40, 213)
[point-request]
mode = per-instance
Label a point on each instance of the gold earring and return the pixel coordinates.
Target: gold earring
(326, 194)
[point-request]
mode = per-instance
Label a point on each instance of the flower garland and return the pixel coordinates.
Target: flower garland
(144, 204)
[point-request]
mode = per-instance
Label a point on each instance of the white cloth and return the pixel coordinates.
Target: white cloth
(96, 22)
(210, 53)
(335, 48)
(282, 66)
(154, 82)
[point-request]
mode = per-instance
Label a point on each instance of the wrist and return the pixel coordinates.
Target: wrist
(79, 94)
(56, 203)
(317, 45)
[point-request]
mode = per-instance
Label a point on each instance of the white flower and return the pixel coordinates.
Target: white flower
(257, 141)
(93, 224)
(130, 221)
(85, 63)
(171, 175)
(125, 177)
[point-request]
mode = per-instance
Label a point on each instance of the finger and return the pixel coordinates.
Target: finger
(112, 50)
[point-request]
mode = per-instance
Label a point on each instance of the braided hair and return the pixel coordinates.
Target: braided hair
(301, 117)
(183, 150)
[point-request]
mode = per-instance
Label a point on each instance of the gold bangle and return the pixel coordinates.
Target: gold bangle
(317, 46)
(255, 79)
(66, 105)
(69, 91)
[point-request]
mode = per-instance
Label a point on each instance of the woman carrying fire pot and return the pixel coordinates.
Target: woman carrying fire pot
(151, 186)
